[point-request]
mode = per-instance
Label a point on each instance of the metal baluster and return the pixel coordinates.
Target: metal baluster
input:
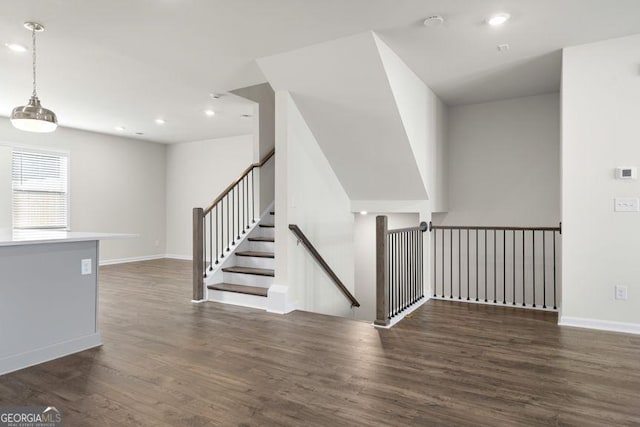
(495, 273)
(544, 270)
(467, 264)
(451, 263)
(237, 216)
(514, 267)
(253, 195)
(555, 307)
(459, 265)
(217, 236)
(485, 265)
(390, 278)
(435, 263)
(210, 240)
(477, 270)
(246, 198)
(244, 207)
(504, 266)
(228, 227)
(222, 229)
(233, 216)
(533, 262)
(524, 297)
(442, 263)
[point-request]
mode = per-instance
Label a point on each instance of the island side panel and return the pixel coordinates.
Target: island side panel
(48, 308)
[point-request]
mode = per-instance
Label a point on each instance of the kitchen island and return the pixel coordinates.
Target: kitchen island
(48, 295)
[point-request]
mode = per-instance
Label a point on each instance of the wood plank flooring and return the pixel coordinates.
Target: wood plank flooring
(167, 362)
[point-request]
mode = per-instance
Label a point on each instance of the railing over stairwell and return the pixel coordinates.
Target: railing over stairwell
(516, 266)
(219, 226)
(399, 269)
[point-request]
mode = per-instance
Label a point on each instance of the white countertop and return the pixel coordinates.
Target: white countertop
(33, 237)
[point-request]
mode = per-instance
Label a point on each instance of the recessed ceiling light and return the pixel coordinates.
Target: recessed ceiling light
(498, 19)
(120, 128)
(216, 95)
(209, 113)
(16, 47)
(246, 116)
(433, 21)
(160, 121)
(363, 212)
(503, 47)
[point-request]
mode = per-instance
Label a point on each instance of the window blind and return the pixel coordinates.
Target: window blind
(40, 190)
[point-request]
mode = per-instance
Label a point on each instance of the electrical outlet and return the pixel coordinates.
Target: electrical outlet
(85, 266)
(621, 292)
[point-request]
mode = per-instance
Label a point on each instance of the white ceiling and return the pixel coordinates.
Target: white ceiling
(121, 62)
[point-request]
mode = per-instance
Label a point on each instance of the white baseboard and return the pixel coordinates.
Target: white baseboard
(603, 325)
(45, 354)
(132, 259)
(182, 257)
(401, 316)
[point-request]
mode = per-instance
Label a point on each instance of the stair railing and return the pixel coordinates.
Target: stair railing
(220, 225)
(323, 264)
(399, 269)
(497, 265)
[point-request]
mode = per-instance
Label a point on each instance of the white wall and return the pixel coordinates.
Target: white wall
(504, 163)
(424, 117)
(600, 110)
(197, 172)
(310, 195)
(264, 141)
(116, 185)
(365, 259)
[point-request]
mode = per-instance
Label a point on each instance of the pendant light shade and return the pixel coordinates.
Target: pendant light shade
(33, 117)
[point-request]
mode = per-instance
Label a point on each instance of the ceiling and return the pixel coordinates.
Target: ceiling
(103, 64)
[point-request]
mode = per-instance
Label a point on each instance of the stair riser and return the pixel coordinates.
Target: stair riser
(255, 262)
(237, 299)
(264, 232)
(260, 246)
(248, 279)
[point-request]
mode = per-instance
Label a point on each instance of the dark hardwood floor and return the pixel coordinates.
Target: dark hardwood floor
(167, 362)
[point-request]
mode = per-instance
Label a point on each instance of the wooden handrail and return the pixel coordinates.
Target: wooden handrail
(314, 253)
(422, 227)
(227, 190)
(493, 227)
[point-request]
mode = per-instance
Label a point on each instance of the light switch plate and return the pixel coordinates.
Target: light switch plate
(627, 204)
(85, 266)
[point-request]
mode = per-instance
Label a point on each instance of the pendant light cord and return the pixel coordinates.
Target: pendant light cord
(33, 35)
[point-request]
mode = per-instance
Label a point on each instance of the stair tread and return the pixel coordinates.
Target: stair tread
(261, 239)
(240, 289)
(256, 254)
(249, 270)
(267, 225)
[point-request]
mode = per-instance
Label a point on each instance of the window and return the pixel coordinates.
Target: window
(40, 190)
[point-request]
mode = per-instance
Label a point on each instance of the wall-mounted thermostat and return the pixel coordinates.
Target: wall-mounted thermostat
(626, 173)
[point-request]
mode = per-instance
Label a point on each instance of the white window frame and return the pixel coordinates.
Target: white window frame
(51, 152)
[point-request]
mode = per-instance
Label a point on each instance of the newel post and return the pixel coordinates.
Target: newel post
(198, 254)
(382, 272)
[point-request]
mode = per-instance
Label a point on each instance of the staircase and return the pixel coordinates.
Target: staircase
(247, 273)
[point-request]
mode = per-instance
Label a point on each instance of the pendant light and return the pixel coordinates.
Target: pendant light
(33, 117)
